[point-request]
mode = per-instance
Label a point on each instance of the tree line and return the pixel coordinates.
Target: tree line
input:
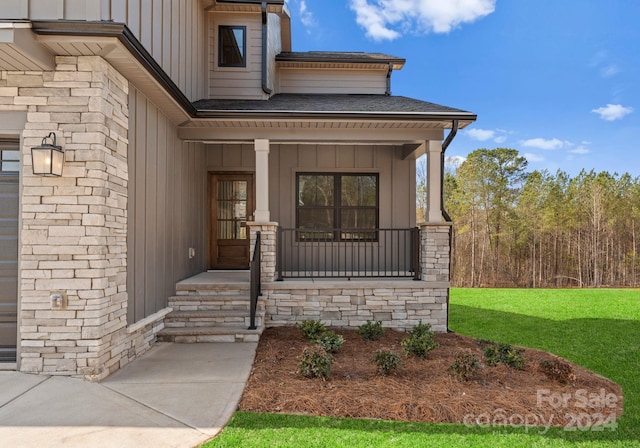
(514, 228)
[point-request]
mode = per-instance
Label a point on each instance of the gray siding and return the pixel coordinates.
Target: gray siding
(173, 31)
(237, 82)
(8, 263)
(397, 176)
(167, 208)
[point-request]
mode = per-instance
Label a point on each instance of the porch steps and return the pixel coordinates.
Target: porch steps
(214, 313)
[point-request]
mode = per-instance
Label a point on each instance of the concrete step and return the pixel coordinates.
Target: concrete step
(212, 288)
(206, 318)
(192, 335)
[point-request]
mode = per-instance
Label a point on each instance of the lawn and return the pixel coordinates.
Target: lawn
(598, 329)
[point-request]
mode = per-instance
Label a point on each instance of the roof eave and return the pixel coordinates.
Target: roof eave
(321, 115)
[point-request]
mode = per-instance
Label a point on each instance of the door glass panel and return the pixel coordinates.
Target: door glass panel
(232, 209)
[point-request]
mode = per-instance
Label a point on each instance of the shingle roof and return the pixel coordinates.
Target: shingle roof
(331, 103)
(340, 57)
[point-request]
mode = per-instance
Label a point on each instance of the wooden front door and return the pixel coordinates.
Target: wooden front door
(231, 199)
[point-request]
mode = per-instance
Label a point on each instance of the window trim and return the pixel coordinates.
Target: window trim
(337, 207)
(244, 46)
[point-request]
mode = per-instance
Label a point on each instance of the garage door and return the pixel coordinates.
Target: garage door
(9, 166)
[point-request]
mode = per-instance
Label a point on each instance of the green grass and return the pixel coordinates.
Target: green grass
(598, 329)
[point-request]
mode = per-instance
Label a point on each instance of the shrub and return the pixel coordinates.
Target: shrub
(558, 370)
(330, 341)
(311, 328)
(420, 342)
(371, 330)
(465, 366)
(505, 354)
(386, 361)
(315, 362)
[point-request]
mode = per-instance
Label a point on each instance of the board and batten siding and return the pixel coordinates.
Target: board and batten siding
(173, 31)
(297, 80)
(167, 208)
(236, 82)
(397, 178)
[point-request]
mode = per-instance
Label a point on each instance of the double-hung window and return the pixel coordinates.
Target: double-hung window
(337, 207)
(232, 46)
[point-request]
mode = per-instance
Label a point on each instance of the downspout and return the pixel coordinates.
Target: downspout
(388, 92)
(265, 36)
(447, 218)
(445, 145)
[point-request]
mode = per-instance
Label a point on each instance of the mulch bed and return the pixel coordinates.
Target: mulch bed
(422, 390)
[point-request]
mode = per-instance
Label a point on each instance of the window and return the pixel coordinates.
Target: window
(338, 207)
(232, 46)
(9, 157)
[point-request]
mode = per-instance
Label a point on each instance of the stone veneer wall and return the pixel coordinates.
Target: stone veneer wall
(74, 228)
(342, 303)
(398, 304)
(268, 238)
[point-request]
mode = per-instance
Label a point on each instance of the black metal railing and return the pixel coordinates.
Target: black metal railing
(348, 253)
(255, 291)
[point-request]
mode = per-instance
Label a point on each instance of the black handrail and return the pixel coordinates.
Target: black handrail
(348, 253)
(256, 289)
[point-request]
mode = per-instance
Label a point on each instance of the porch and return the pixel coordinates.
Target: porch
(235, 306)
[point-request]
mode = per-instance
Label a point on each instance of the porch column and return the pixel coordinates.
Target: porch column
(262, 214)
(434, 181)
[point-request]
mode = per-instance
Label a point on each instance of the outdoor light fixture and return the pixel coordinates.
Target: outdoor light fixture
(47, 158)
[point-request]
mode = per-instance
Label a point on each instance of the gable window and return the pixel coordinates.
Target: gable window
(9, 157)
(232, 46)
(337, 207)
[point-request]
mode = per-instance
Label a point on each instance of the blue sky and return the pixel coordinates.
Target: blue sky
(558, 80)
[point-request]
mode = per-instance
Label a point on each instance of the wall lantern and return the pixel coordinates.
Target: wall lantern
(48, 158)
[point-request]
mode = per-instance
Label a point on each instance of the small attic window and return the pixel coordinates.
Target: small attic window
(232, 46)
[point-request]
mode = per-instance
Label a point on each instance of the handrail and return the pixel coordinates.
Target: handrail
(256, 290)
(348, 253)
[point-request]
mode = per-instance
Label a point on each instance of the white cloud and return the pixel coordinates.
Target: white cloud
(381, 19)
(609, 71)
(580, 150)
(480, 134)
(541, 143)
(612, 112)
(500, 139)
(306, 17)
(533, 157)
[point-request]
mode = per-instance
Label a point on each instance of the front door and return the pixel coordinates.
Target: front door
(231, 199)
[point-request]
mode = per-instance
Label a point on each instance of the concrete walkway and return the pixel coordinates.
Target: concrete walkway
(176, 395)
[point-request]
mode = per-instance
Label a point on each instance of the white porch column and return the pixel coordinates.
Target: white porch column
(434, 181)
(262, 214)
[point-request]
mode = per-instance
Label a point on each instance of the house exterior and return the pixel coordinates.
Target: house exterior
(190, 127)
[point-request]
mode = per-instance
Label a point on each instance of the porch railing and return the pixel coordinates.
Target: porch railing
(255, 289)
(348, 253)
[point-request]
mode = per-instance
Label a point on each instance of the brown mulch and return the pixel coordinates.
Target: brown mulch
(421, 390)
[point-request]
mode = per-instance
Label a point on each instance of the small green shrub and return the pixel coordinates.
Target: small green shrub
(420, 342)
(465, 366)
(421, 330)
(311, 328)
(558, 370)
(386, 361)
(315, 362)
(371, 330)
(330, 341)
(505, 354)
